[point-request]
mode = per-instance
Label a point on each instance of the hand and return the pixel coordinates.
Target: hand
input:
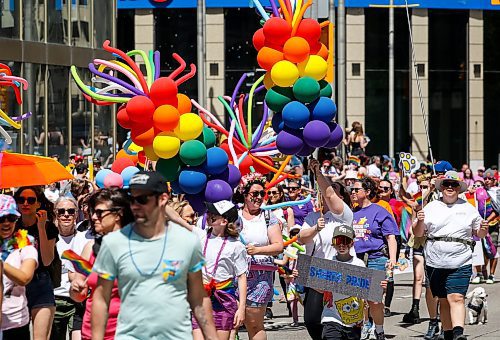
(79, 286)
(314, 165)
(42, 218)
(239, 317)
(383, 284)
(252, 249)
(289, 211)
(295, 273)
(321, 224)
(421, 216)
(485, 225)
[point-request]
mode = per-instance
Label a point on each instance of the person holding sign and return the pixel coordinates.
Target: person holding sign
(449, 224)
(375, 242)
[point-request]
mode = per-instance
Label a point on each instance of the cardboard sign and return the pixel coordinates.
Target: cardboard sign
(408, 163)
(340, 277)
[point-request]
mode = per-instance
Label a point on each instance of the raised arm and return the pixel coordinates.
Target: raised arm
(335, 204)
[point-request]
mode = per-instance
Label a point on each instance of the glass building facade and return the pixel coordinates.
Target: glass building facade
(40, 40)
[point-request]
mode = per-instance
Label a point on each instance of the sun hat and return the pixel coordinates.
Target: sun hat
(351, 174)
(450, 176)
(8, 206)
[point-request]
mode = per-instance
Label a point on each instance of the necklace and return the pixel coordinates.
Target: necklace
(216, 265)
(132, 257)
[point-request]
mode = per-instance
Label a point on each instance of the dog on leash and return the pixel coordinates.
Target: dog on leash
(477, 306)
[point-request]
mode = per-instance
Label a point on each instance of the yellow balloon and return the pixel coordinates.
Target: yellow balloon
(134, 147)
(190, 127)
(314, 67)
(150, 153)
(284, 73)
(268, 82)
(165, 145)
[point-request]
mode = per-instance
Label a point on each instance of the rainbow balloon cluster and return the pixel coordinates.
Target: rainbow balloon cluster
(119, 176)
(290, 50)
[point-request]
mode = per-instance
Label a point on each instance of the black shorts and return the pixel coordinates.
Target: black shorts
(448, 281)
(40, 292)
(335, 331)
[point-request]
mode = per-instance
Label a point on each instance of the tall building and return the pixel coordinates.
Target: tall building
(40, 40)
(455, 48)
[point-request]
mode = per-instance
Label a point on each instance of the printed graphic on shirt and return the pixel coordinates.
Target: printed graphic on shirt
(350, 310)
(171, 270)
(361, 229)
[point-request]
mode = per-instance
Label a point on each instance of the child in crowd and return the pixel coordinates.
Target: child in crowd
(226, 262)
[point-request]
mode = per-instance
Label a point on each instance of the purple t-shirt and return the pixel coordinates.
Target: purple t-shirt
(301, 211)
(371, 225)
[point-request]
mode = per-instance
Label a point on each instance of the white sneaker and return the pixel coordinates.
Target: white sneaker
(373, 336)
(476, 280)
(490, 280)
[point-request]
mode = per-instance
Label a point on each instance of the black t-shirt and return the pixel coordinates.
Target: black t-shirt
(52, 233)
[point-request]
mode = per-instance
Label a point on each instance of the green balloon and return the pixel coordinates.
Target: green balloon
(207, 137)
(169, 168)
(277, 97)
(193, 152)
(306, 90)
(326, 89)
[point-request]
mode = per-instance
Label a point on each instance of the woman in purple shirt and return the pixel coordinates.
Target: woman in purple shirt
(299, 211)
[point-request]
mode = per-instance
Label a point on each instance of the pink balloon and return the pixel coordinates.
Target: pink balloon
(113, 180)
(481, 194)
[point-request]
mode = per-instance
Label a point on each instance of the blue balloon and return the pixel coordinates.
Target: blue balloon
(100, 176)
(127, 174)
(176, 188)
(217, 161)
(277, 122)
(323, 109)
(295, 115)
(192, 182)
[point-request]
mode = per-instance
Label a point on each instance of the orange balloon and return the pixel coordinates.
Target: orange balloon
(123, 154)
(323, 52)
(184, 103)
(296, 49)
(267, 57)
(166, 117)
(268, 81)
(142, 137)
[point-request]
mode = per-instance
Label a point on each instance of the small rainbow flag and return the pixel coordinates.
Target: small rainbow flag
(418, 198)
(81, 265)
(470, 198)
(354, 159)
(487, 204)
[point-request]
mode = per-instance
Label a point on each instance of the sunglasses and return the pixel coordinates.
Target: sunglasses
(9, 218)
(30, 200)
(355, 190)
(141, 199)
(341, 240)
(62, 211)
(293, 188)
(386, 189)
(100, 212)
(477, 186)
(256, 194)
(273, 192)
(424, 187)
(489, 178)
(450, 184)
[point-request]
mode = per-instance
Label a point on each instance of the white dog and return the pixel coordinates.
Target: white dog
(477, 306)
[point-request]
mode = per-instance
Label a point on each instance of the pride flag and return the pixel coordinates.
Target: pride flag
(81, 265)
(354, 159)
(418, 198)
(470, 198)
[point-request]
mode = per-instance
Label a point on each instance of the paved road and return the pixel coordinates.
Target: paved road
(279, 328)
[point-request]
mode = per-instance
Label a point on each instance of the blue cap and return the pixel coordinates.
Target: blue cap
(443, 166)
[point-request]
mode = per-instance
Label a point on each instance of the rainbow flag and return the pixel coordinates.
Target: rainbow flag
(81, 265)
(470, 198)
(354, 159)
(418, 198)
(487, 204)
(405, 224)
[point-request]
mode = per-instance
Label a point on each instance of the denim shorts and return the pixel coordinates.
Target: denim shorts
(448, 281)
(40, 292)
(378, 263)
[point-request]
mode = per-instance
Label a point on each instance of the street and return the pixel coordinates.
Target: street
(278, 327)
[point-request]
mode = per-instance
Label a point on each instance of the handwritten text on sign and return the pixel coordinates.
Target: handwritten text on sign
(340, 277)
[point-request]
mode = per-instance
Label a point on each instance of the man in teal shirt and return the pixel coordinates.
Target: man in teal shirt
(158, 267)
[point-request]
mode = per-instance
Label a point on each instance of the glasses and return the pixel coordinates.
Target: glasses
(273, 192)
(477, 186)
(450, 184)
(293, 188)
(62, 211)
(424, 187)
(30, 200)
(100, 212)
(256, 194)
(142, 199)
(489, 178)
(9, 218)
(341, 240)
(386, 189)
(355, 190)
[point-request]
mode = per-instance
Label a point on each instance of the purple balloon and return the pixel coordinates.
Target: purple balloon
(289, 141)
(336, 136)
(231, 175)
(218, 190)
(197, 202)
(316, 133)
(306, 150)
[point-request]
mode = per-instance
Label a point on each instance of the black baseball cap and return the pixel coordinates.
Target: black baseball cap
(223, 208)
(149, 181)
(344, 230)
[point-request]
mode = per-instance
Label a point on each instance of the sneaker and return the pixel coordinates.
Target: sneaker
(490, 280)
(269, 314)
(432, 331)
(387, 312)
(379, 336)
(365, 331)
(412, 317)
(477, 280)
(294, 324)
(372, 335)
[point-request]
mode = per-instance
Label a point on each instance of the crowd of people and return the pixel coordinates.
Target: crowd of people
(148, 249)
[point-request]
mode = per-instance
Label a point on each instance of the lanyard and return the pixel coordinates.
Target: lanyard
(212, 275)
(132, 257)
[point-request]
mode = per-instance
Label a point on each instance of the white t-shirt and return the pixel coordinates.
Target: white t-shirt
(232, 261)
(343, 309)
(76, 243)
(15, 311)
(456, 220)
(254, 232)
(321, 245)
(374, 171)
(412, 188)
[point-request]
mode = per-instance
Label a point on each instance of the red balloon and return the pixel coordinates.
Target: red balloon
(141, 136)
(260, 168)
(277, 31)
(123, 118)
(163, 92)
(245, 165)
(166, 117)
(310, 30)
(224, 145)
(121, 163)
(258, 39)
(140, 109)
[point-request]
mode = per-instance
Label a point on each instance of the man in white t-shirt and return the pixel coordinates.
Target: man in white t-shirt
(374, 168)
